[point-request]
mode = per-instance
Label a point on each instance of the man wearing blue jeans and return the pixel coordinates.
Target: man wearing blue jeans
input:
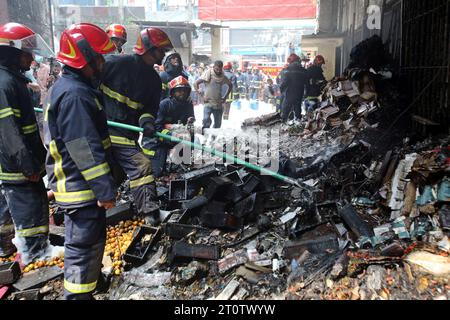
(216, 113)
(214, 80)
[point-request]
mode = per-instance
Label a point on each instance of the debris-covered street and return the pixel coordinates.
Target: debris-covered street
(347, 200)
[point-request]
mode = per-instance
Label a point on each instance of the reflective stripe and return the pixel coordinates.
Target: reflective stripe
(6, 112)
(79, 288)
(99, 106)
(106, 143)
(58, 169)
(117, 96)
(146, 115)
(29, 129)
(74, 197)
(165, 86)
(165, 131)
(33, 231)
(141, 181)
(46, 112)
(149, 152)
(122, 141)
(96, 172)
(12, 176)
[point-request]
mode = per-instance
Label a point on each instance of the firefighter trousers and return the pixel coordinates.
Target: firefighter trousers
(6, 229)
(28, 208)
(291, 108)
(84, 245)
(138, 168)
(159, 161)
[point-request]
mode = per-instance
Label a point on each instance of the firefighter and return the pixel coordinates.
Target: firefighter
(22, 154)
(241, 80)
(315, 84)
(248, 82)
(270, 92)
(256, 84)
(173, 68)
(293, 86)
(79, 158)
(228, 72)
(132, 89)
(177, 109)
(118, 35)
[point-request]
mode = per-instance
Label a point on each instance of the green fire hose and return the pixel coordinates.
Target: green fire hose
(213, 152)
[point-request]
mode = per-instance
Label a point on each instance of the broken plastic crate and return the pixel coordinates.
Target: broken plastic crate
(141, 245)
(235, 177)
(9, 273)
(206, 172)
(195, 203)
(119, 213)
(352, 219)
(179, 231)
(251, 183)
(217, 188)
(33, 294)
(181, 249)
(234, 194)
(214, 215)
(178, 190)
(249, 207)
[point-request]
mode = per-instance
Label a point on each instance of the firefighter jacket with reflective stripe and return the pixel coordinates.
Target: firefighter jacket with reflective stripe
(256, 81)
(315, 78)
(131, 91)
(233, 79)
(293, 80)
(21, 150)
(171, 111)
(79, 148)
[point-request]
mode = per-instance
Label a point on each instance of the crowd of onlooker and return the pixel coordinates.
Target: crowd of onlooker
(297, 85)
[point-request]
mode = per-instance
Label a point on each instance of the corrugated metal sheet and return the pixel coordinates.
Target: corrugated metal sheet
(425, 60)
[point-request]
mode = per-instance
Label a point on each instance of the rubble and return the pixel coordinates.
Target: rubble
(193, 272)
(229, 290)
(374, 224)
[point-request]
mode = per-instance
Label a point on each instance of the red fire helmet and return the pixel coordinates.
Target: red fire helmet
(80, 43)
(117, 31)
(152, 38)
(179, 82)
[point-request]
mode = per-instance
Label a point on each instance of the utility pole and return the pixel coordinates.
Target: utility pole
(190, 16)
(190, 8)
(52, 26)
(121, 13)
